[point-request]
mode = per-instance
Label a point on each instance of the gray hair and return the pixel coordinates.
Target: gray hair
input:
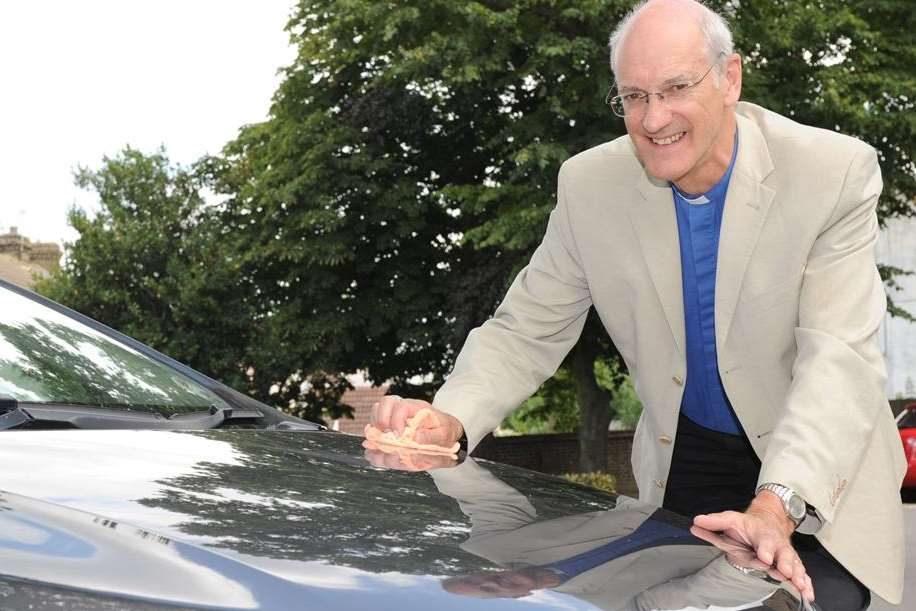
(715, 30)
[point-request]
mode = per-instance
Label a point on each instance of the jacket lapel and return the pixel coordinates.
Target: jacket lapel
(655, 224)
(746, 206)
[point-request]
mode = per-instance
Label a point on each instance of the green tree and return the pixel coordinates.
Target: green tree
(407, 169)
(406, 173)
(150, 263)
(144, 265)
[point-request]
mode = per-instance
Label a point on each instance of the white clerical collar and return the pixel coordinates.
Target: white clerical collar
(694, 201)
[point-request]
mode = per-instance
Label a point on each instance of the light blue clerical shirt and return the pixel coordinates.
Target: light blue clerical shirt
(699, 219)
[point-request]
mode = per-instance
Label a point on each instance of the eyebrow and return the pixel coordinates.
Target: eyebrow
(680, 78)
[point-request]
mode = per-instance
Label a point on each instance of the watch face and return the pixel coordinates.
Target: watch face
(796, 507)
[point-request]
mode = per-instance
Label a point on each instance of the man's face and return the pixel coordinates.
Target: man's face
(688, 142)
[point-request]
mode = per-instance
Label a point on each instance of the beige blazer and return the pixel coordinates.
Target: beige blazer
(798, 307)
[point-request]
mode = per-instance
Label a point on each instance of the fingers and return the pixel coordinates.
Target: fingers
(770, 544)
(708, 536)
(782, 557)
(381, 412)
(719, 522)
(392, 412)
(787, 562)
(403, 409)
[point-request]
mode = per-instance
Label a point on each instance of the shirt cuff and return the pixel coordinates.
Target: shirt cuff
(811, 523)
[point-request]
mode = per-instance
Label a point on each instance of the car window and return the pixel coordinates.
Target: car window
(907, 419)
(48, 357)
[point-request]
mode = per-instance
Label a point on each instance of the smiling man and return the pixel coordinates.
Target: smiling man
(729, 252)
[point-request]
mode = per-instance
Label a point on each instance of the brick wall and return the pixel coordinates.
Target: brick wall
(559, 453)
(361, 400)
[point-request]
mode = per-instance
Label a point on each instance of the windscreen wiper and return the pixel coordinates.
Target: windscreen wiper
(11, 415)
(14, 414)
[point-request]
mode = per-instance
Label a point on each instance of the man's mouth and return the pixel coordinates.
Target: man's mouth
(668, 140)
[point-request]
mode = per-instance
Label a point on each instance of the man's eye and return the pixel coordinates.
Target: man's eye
(632, 97)
(677, 87)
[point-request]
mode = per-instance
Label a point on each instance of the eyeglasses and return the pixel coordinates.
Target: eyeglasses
(636, 102)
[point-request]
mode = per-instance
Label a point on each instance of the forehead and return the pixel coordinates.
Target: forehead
(656, 50)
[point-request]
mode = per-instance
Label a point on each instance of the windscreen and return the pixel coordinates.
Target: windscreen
(48, 357)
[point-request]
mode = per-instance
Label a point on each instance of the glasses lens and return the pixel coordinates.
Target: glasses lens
(676, 93)
(617, 106)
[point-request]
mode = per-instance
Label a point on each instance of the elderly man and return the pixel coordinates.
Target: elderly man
(729, 252)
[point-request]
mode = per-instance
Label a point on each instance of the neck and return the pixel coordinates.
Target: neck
(715, 165)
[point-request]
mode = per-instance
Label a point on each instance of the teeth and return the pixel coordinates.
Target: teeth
(669, 139)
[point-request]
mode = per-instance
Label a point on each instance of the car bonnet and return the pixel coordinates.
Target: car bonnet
(262, 519)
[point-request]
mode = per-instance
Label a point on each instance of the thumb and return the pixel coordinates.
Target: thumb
(428, 436)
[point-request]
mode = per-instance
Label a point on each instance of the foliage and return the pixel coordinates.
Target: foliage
(150, 264)
(554, 408)
(845, 66)
(594, 479)
(406, 172)
(627, 405)
(890, 275)
(144, 265)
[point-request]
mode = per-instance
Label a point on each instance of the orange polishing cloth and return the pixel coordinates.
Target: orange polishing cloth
(406, 440)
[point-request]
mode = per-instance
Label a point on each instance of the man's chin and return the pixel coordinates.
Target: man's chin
(662, 171)
(661, 168)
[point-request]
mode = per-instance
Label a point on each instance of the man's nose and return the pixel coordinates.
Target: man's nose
(657, 114)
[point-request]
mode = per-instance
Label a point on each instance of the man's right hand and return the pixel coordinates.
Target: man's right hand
(392, 412)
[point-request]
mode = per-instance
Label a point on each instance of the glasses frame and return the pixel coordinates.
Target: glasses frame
(645, 95)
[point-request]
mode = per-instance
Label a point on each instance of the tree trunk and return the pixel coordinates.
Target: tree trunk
(594, 404)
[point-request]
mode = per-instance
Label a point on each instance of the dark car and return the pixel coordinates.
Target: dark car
(132, 482)
(906, 424)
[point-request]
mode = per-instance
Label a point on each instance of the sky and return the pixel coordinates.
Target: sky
(81, 80)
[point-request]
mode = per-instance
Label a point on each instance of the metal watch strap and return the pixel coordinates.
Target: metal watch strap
(784, 493)
(751, 572)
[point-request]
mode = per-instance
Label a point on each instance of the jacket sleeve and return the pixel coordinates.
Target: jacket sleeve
(505, 360)
(718, 584)
(837, 391)
(493, 506)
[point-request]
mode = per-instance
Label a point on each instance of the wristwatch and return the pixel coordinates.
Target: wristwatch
(795, 506)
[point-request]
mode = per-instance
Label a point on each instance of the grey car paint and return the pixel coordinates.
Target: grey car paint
(240, 519)
(265, 511)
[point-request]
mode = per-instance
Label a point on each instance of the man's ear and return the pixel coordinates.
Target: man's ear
(732, 79)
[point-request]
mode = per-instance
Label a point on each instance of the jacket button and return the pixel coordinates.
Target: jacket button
(660, 483)
(677, 380)
(664, 439)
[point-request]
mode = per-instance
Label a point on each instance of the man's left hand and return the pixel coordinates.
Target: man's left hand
(766, 528)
